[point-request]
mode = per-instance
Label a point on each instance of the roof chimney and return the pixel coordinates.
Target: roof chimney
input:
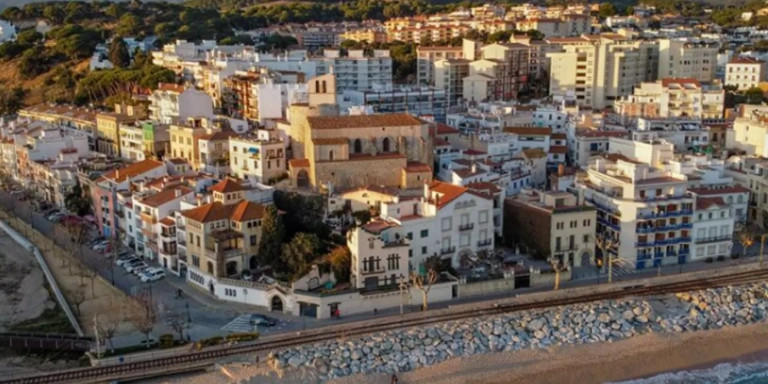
(177, 192)
(117, 174)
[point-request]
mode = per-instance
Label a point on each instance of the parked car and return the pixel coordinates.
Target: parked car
(133, 264)
(101, 247)
(139, 270)
(152, 274)
(123, 260)
(99, 239)
(263, 320)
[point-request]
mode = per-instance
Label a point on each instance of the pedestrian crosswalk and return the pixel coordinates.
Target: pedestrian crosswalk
(241, 323)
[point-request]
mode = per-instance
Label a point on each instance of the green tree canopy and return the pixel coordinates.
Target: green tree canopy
(118, 53)
(272, 237)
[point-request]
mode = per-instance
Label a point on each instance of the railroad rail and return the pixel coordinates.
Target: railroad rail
(200, 360)
(34, 340)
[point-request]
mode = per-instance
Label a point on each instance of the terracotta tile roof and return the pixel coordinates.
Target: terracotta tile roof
(558, 136)
(417, 167)
(558, 149)
(167, 221)
(445, 129)
(719, 191)
(178, 161)
(472, 152)
(242, 211)
(298, 163)
(529, 131)
(330, 141)
(165, 196)
(133, 170)
(246, 211)
(745, 60)
(226, 186)
(447, 192)
(679, 80)
(362, 121)
(376, 226)
(441, 143)
(707, 202)
(168, 87)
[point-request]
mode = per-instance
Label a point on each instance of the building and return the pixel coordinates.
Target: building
(449, 75)
(594, 71)
(223, 235)
(745, 73)
(356, 70)
(379, 256)
(449, 221)
(260, 158)
(417, 101)
(568, 25)
(426, 58)
(586, 143)
(7, 31)
(262, 94)
(694, 59)
(185, 138)
(369, 35)
(214, 152)
(149, 207)
(749, 132)
(108, 135)
(713, 226)
(683, 133)
(645, 214)
(552, 225)
(171, 103)
(673, 97)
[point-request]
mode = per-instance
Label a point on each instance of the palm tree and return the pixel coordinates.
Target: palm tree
(746, 241)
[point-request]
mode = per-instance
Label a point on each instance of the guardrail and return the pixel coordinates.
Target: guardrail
(48, 275)
(45, 341)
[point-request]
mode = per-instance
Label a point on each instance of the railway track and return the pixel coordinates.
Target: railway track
(203, 359)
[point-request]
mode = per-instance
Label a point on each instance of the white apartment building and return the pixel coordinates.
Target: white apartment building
(596, 71)
(646, 212)
(447, 220)
(673, 97)
(654, 152)
(750, 131)
(7, 31)
(379, 255)
(259, 158)
(417, 101)
(426, 58)
(713, 226)
(745, 73)
(46, 142)
(683, 133)
(356, 71)
(490, 118)
(132, 142)
(696, 59)
(449, 76)
(171, 103)
(583, 144)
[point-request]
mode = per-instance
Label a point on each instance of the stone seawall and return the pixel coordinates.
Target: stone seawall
(404, 350)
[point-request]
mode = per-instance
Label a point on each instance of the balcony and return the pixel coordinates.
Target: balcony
(168, 234)
(654, 215)
(484, 243)
(447, 251)
(467, 227)
(685, 252)
(149, 234)
(147, 218)
(715, 239)
(225, 243)
(658, 255)
(608, 223)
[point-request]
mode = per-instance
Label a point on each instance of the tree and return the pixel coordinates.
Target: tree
(606, 10)
(754, 95)
(272, 236)
(424, 284)
(107, 324)
(144, 316)
(746, 241)
(340, 260)
(178, 323)
(11, 100)
(299, 253)
(78, 201)
(77, 297)
(118, 53)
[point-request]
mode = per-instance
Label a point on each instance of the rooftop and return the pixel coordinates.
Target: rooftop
(363, 121)
(133, 170)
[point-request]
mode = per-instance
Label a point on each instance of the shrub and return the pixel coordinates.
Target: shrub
(720, 258)
(735, 256)
(247, 336)
(166, 341)
(709, 260)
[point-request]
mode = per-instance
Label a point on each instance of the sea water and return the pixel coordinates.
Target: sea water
(724, 373)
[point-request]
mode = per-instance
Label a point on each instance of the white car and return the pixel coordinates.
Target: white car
(123, 260)
(152, 274)
(129, 267)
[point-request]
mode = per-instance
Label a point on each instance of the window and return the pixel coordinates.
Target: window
(464, 240)
(446, 224)
(424, 233)
(253, 239)
(423, 250)
(482, 217)
(196, 261)
(409, 236)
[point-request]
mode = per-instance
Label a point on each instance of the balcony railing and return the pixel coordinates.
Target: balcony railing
(608, 223)
(466, 227)
(447, 251)
(654, 215)
(147, 218)
(714, 239)
(484, 243)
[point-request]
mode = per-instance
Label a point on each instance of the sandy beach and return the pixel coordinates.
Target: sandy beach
(641, 356)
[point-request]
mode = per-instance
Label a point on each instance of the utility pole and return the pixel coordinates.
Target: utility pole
(762, 246)
(403, 286)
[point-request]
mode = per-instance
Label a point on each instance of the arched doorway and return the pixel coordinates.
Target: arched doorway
(330, 155)
(385, 145)
(210, 268)
(302, 179)
(231, 267)
(358, 146)
(276, 304)
(253, 263)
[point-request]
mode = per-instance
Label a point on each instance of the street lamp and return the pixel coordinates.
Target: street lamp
(402, 286)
